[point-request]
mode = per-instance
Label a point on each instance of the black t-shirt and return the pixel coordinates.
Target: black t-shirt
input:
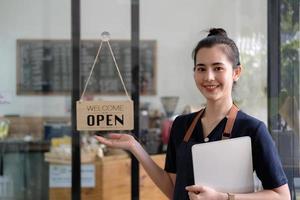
(266, 161)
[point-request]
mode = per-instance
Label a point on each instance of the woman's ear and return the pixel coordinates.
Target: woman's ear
(237, 73)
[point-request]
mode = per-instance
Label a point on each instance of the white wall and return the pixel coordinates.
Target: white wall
(176, 25)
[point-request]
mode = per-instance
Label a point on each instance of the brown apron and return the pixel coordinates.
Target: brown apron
(228, 128)
(184, 155)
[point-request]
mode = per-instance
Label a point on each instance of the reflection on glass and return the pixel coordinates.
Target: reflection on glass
(253, 59)
(4, 127)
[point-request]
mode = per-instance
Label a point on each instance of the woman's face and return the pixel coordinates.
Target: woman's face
(214, 74)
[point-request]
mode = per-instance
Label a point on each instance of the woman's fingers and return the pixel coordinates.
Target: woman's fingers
(116, 140)
(195, 188)
(192, 195)
(103, 140)
(115, 135)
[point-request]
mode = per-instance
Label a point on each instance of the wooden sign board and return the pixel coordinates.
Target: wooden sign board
(104, 115)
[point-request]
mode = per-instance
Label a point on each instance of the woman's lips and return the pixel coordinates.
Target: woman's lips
(210, 87)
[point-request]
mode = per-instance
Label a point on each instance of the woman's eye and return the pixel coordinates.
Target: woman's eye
(199, 69)
(218, 68)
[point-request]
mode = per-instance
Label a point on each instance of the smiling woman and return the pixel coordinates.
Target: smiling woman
(216, 68)
(214, 74)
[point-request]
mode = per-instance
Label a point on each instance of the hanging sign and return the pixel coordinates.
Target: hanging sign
(104, 115)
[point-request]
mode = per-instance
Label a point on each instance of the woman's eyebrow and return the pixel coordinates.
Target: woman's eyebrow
(217, 63)
(200, 65)
(214, 64)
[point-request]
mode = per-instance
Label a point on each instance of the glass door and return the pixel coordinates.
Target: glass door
(35, 81)
(284, 102)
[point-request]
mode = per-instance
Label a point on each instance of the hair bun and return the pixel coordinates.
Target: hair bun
(217, 32)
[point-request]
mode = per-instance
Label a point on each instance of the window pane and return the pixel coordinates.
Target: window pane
(34, 93)
(288, 129)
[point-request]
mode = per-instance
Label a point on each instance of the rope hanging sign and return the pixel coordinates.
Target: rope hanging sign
(104, 115)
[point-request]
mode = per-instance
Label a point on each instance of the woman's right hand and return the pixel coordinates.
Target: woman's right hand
(123, 141)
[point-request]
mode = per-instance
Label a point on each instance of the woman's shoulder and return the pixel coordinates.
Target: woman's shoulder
(180, 126)
(186, 118)
(183, 121)
(245, 118)
(248, 125)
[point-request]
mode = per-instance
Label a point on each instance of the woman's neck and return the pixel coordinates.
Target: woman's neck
(218, 109)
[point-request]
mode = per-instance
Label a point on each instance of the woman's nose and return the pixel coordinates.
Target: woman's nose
(209, 75)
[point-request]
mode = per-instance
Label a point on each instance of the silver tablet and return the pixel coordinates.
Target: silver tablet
(224, 165)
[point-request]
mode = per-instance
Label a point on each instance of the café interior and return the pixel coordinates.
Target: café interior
(51, 63)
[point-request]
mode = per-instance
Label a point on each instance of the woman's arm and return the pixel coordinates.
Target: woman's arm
(160, 177)
(202, 192)
(280, 193)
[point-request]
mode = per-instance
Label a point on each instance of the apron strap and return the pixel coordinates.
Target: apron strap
(230, 121)
(192, 126)
(228, 128)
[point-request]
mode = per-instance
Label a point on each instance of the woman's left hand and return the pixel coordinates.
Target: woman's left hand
(197, 192)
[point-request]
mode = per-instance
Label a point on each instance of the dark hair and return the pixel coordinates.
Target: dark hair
(219, 36)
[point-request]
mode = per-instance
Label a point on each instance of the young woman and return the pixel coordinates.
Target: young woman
(216, 69)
